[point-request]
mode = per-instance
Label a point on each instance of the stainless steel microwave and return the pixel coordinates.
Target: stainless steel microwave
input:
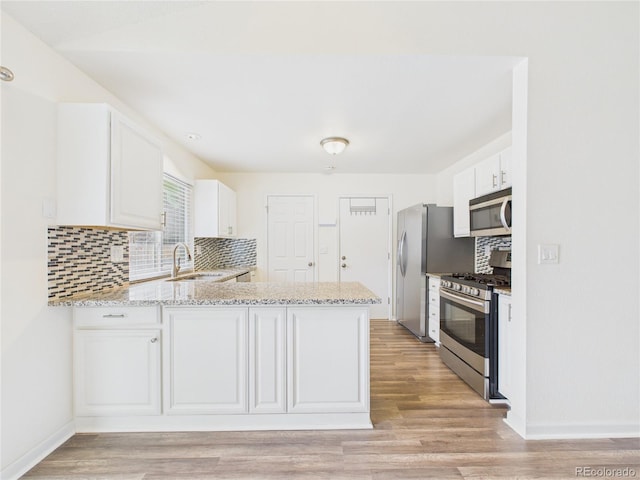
(490, 214)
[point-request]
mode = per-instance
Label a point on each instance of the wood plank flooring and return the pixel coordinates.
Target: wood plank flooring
(428, 425)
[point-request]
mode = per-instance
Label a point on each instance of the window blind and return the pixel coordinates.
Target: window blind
(151, 253)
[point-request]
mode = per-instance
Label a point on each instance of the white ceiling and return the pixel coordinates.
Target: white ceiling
(267, 111)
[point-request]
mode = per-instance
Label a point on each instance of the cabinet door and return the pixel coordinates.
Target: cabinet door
(504, 345)
(207, 360)
(136, 176)
(488, 175)
(267, 355)
(464, 189)
(505, 168)
(327, 359)
(117, 372)
(227, 211)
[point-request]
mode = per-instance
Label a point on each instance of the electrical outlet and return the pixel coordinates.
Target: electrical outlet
(117, 253)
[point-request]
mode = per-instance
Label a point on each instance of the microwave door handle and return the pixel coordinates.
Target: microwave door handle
(477, 305)
(503, 214)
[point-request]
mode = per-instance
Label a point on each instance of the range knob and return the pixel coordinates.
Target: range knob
(475, 291)
(457, 286)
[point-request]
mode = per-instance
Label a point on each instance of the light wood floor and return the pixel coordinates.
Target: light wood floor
(428, 425)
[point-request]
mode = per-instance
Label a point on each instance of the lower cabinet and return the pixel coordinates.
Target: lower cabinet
(206, 360)
(505, 332)
(327, 359)
(221, 367)
(434, 309)
(116, 365)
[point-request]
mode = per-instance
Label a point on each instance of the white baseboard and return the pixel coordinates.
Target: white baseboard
(30, 459)
(577, 432)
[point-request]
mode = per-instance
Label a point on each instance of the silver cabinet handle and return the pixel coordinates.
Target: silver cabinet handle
(509, 317)
(495, 180)
(154, 340)
(502, 175)
(114, 315)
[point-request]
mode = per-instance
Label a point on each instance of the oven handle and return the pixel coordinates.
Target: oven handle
(477, 305)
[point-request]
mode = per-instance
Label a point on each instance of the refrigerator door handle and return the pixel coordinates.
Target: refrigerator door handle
(401, 261)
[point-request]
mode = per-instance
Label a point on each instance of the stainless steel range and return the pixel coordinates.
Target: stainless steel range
(469, 321)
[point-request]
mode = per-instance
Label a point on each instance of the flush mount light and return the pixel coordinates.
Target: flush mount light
(334, 145)
(6, 74)
(193, 136)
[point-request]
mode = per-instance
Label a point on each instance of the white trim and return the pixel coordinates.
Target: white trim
(583, 431)
(224, 423)
(34, 456)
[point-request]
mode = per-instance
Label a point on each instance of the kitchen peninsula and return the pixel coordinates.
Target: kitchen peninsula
(201, 354)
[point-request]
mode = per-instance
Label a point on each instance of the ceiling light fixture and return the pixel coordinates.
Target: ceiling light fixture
(6, 74)
(334, 145)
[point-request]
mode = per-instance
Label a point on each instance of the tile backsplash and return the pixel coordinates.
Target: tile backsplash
(224, 252)
(79, 260)
(484, 245)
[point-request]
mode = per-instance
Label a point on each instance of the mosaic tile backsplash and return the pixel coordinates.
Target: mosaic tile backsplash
(79, 261)
(224, 252)
(484, 245)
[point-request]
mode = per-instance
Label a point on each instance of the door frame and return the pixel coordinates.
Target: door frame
(389, 199)
(315, 226)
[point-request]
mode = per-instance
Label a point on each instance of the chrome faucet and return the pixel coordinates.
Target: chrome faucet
(176, 261)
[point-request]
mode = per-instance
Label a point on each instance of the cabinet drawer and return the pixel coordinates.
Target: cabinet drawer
(434, 298)
(116, 316)
(434, 283)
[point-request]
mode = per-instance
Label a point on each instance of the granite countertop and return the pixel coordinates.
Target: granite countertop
(502, 290)
(216, 292)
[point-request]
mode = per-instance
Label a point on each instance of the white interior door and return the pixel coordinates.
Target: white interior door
(290, 238)
(365, 247)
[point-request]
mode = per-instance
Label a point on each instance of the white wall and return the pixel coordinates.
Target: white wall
(578, 175)
(36, 384)
(252, 189)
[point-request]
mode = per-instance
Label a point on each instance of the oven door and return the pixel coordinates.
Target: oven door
(466, 321)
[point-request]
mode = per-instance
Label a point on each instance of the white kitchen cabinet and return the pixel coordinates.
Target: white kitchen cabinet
(505, 343)
(116, 362)
(214, 209)
(464, 189)
(206, 353)
(109, 170)
(267, 360)
(434, 309)
(493, 173)
(327, 359)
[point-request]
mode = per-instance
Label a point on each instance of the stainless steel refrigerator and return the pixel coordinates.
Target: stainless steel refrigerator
(426, 244)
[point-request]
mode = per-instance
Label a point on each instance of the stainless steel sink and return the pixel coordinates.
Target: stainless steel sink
(196, 276)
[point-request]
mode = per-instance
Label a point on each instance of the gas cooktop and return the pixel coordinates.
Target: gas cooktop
(481, 278)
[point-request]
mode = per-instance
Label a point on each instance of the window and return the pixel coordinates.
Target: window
(151, 253)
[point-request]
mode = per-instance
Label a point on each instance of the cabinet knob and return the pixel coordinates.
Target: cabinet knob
(154, 340)
(310, 264)
(344, 258)
(344, 265)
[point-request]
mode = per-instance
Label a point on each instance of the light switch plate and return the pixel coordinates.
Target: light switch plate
(117, 253)
(548, 254)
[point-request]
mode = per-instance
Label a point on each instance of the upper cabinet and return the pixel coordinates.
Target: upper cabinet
(464, 189)
(489, 175)
(214, 209)
(493, 173)
(109, 170)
